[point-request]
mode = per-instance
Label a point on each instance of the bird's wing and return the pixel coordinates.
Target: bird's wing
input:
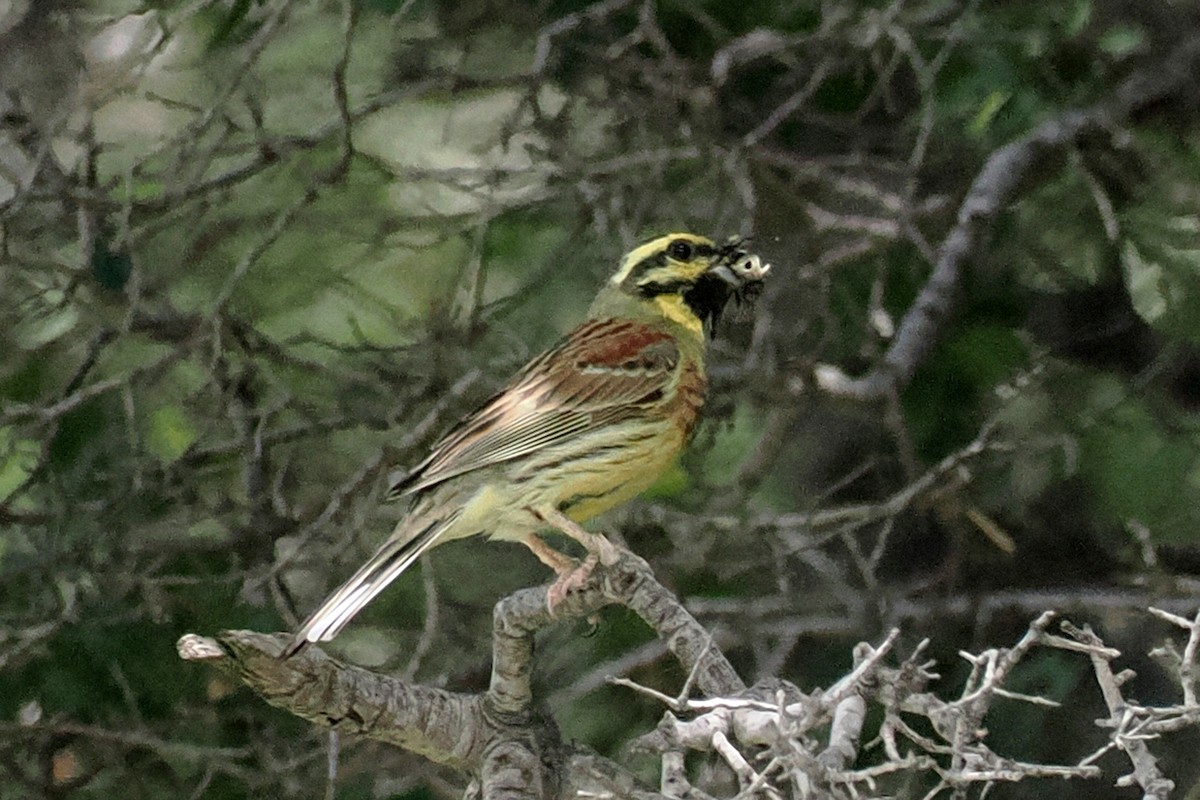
(601, 373)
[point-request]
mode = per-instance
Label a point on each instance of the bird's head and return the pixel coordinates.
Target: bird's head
(689, 279)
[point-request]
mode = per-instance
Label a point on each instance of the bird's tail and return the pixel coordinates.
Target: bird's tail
(395, 556)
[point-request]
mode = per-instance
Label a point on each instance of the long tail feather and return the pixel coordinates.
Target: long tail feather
(372, 578)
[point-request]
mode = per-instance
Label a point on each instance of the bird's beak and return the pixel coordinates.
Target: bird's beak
(734, 275)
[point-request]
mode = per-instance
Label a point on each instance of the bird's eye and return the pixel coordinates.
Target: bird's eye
(680, 250)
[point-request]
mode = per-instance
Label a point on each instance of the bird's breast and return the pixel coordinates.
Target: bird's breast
(684, 406)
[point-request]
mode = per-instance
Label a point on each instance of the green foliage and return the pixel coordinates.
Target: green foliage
(230, 24)
(18, 458)
(1142, 469)
(944, 402)
(1160, 260)
(169, 433)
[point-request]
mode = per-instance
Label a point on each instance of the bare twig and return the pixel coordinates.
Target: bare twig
(1125, 733)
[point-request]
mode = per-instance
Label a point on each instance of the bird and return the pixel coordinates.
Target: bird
(582, 428)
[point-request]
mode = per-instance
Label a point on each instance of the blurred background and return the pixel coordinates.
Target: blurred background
(257, 254)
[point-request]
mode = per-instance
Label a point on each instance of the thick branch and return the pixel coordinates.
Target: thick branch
(1007, 172)
(629, 582)
(499, 737)
(444, 727)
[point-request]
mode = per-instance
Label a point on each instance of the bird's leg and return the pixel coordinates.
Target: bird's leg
(571, 575)
(548, 555)
(594, 543)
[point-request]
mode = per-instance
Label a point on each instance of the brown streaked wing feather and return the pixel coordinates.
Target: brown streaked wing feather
(601, 373)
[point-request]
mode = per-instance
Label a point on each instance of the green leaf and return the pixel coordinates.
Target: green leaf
(1139, 469)
(985, 354)
(732, 443)
(56, 320)
(18, 458)
(1122, 40)
(147, 190)
(229, 27)
(1145, 280)
(1081, 15)
(670, 485)
(1161, 264)
(987, 112)
(170, 433)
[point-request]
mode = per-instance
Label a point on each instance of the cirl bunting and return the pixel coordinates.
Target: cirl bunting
(585, 426)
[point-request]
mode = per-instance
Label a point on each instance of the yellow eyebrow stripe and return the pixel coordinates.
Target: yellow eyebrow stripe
(652, 248)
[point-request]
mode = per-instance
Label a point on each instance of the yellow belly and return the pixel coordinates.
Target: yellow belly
(614, 478)
(583, 478)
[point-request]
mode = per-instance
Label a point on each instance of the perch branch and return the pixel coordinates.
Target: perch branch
(445, 727)
(629, 582)
(500, 737)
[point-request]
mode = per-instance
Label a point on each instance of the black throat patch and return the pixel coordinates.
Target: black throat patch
(707, 298)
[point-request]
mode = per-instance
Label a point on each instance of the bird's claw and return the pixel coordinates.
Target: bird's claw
(570, 581)
(608, 552)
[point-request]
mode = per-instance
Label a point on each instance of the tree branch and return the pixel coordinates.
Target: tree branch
(1012, 169)
(629, 582)
(445, 727)
(501, 737)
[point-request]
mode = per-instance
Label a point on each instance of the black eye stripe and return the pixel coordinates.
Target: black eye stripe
(649, 263)
(655, 289)
(697, 251)
(683, 250)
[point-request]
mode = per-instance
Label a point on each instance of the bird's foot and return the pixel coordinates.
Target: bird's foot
(569, 581)
(572, 574)
(608, 552)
